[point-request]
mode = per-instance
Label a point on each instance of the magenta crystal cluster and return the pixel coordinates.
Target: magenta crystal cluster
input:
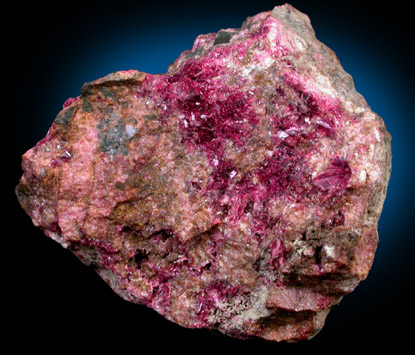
(240, 191)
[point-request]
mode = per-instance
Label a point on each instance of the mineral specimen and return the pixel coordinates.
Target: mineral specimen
(240, 191)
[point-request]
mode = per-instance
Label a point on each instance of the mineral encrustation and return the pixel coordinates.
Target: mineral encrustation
(240, 191)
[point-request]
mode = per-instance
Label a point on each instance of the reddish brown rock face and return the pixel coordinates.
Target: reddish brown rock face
(240, 191)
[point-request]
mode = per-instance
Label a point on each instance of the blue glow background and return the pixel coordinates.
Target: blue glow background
(60, 48)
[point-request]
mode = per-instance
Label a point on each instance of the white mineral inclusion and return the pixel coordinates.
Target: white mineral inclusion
(329, 249)
(130, 130)
(282, 134)
(363, 175)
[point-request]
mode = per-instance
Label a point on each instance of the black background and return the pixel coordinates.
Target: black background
(50, 50)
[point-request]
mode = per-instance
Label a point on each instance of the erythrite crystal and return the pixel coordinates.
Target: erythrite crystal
(240, 191)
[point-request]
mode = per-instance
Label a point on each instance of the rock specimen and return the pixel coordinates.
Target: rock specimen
(240, 191)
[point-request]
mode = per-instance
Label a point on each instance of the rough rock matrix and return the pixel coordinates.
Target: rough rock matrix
(240, 191)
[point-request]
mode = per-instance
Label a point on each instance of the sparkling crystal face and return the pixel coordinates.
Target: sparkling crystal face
(218, 108)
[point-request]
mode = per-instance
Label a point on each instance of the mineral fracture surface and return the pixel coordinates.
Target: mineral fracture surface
(240, 191)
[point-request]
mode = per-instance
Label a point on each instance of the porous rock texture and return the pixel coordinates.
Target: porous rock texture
(240, 191)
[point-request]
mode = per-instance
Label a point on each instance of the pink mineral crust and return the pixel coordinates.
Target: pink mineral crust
(240, 191)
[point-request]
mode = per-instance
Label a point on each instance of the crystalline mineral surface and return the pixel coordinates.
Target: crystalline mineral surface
(240, 191)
